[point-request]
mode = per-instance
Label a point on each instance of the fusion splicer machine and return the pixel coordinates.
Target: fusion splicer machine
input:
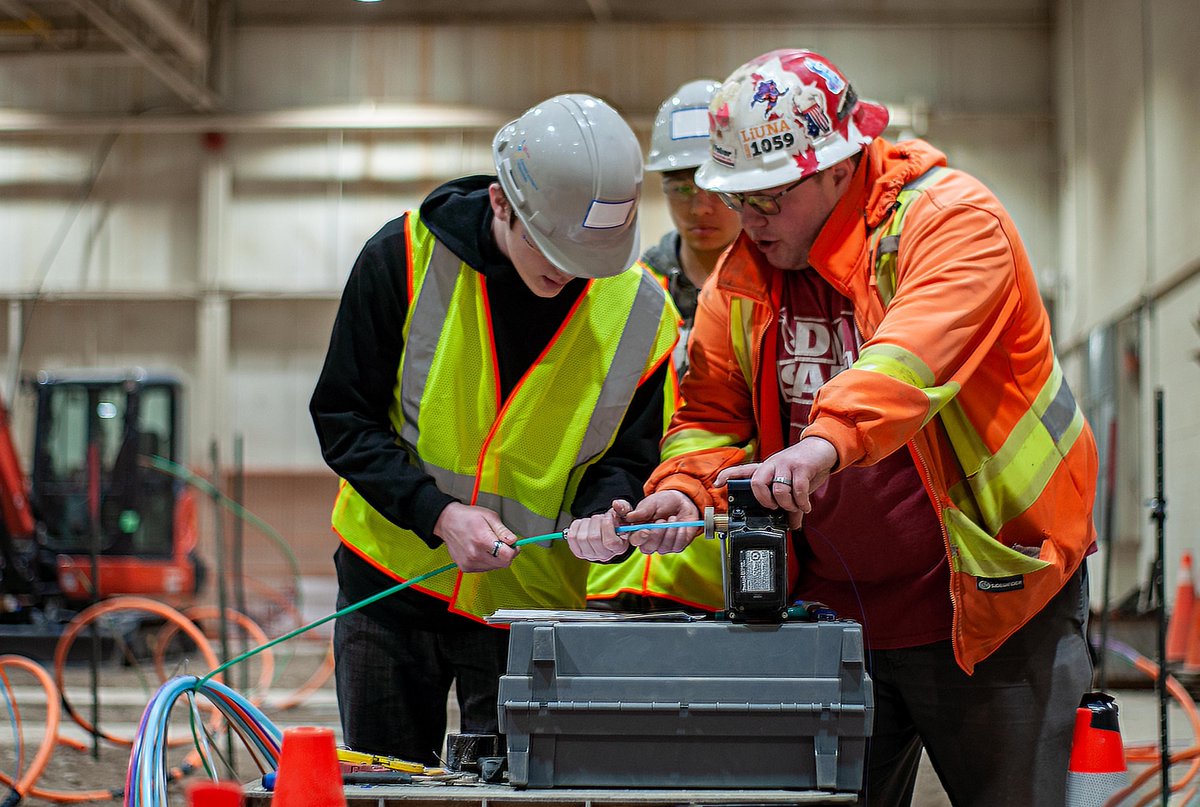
(754, 545)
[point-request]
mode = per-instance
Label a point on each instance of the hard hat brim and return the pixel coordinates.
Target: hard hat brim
(594, 260)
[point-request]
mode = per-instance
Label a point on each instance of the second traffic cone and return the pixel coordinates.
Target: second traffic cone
(214, 794)
(1179, 630)
(1191, 660)
(308, 774)
(1097, 768)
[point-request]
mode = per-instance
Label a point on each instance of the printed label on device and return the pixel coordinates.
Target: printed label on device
(757, 570)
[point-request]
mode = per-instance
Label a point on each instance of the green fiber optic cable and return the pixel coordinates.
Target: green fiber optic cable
(550, 536)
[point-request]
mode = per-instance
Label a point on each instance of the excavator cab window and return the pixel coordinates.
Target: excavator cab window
(99, 457)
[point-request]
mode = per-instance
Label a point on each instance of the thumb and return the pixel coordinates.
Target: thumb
(736, 472)
(502, 532)
(621, 508)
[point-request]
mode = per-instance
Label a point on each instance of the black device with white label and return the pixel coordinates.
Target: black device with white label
(756, 558)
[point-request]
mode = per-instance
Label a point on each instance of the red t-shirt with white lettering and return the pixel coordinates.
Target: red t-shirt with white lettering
(871, 548)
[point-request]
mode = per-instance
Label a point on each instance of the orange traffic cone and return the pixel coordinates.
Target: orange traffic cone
(1191, 660)
(214, 794)
(1179, 630)
(1097, 768)
(308, 774)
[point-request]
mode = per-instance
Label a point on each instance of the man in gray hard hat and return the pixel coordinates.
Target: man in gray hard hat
(704, 226)
(496, 370)
(683, 259)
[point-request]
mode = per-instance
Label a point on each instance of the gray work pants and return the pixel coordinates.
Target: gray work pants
(392, 684)
(999, 737)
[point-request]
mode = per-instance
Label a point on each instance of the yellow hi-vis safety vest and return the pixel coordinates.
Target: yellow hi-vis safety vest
(523, 457)
(691, 577)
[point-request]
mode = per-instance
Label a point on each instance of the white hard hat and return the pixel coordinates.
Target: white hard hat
(781, 117)
(680, 135)
(572, 170)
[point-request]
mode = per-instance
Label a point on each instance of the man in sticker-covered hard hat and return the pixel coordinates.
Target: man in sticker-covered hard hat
(873, 354)
(495, 371)
(682, 260)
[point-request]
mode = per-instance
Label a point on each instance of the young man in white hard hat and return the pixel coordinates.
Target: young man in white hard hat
(682, 259)
(494, 372)
(873, 354)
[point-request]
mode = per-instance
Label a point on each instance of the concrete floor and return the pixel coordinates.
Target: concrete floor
(1139, 717)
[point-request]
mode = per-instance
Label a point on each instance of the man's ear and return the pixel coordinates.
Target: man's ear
(500, 206)
(842, 172)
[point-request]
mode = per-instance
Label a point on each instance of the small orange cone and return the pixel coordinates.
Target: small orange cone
(308, 774)
(1191, 661)
(214, 794)
(1180, 628)
(1097, 767)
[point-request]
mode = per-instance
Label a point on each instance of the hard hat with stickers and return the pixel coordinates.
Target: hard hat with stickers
(781, 117)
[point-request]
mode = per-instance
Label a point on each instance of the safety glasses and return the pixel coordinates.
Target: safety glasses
(765, 203)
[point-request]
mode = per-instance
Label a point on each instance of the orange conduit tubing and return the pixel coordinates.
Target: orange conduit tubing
(1148, 753)
(127, 603)
(254, 633)
(15, 711)
(24, 784)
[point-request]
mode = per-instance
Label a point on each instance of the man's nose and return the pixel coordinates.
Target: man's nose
(704, 200)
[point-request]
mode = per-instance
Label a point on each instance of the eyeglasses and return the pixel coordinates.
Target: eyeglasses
(765, 203)
(680, 191)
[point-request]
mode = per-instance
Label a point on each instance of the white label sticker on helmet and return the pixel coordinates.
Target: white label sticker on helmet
(689, 122)
(606, 215)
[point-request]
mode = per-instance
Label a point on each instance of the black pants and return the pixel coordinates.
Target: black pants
(392, 684)
(999, 737)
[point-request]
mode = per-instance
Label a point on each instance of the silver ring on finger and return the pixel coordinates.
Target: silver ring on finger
(496, 548)
(779, 480)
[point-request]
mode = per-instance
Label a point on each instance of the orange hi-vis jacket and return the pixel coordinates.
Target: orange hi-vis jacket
(957, 364)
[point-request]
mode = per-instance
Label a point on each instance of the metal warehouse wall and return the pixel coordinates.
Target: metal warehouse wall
(1129, 292)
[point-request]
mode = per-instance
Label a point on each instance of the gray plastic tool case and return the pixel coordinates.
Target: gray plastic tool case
(692, 705)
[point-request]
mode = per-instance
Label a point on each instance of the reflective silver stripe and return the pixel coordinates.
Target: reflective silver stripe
(1060, 413)
(516, 516)
(519, 518)
(460, 486)
(628, 364)
(425, 330)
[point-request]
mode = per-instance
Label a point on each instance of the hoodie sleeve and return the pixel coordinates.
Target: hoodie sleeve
(349, 406)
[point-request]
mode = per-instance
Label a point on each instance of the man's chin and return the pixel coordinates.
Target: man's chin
(775, 254)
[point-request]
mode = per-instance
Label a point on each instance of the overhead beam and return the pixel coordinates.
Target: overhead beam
(601, 10)
(179, 80)
(360, 117)
(26, 19)
(183, 39)
(390, 117)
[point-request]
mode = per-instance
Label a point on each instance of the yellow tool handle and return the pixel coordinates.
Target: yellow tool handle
(391, 763)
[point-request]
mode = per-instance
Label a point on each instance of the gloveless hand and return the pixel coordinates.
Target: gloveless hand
(788, 478)
(476, 538)
(663, 506)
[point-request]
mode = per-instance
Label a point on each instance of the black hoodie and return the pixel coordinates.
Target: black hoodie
(355, 390)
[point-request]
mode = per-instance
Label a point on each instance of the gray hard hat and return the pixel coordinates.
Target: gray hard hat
(680, 135)
(572, 170)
